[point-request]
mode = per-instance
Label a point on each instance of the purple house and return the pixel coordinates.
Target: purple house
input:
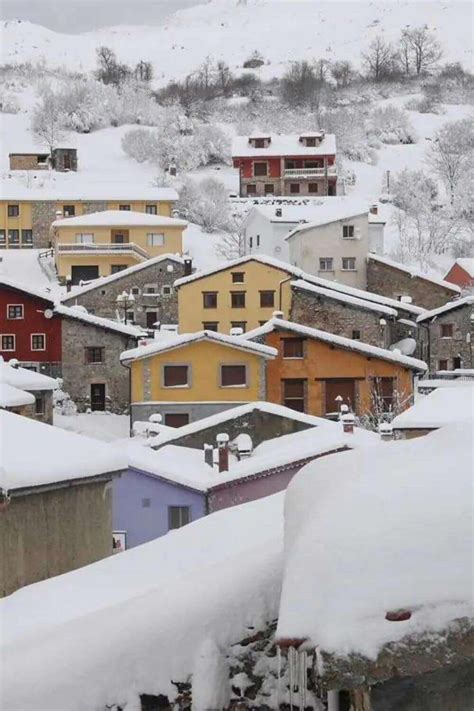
(171, 486)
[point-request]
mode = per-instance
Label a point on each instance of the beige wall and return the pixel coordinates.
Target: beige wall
(50, 533)
(309, 245)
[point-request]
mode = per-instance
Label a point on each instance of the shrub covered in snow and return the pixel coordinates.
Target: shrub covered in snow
(140, 144)
(205, 203)
(9, 103)
(391, 125)
(63, 405)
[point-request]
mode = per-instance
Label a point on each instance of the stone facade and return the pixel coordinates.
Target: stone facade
(29, 161)
(43, 213)
(160, 306)
(61, 529)
(65, 159)
(391, 281)
(79, 375)
(455, 350)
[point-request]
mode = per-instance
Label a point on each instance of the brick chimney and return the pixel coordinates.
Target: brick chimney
(223, 451)
(386, 431)
(348, 423)
(209, 455)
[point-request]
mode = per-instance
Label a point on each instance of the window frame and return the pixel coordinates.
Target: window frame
(13, 210)
(354, 337)
(313, 192)
(293, 187)
(81, 239)
(263, 292)
(209, 293)
(13, 236)
(15, 306)
(88, 350)
(233, 295)
(245, 384)
(29, 234)
(326, 259)
(351, 260)
(180, 511)
(37, 335)
(117, 268)
(40, 402)
(293, 339)
(251, 189)
(207, 326)
(150, 239)
(272, 188)
(350, 229)
(450, 327)
(125, 207)
(238, 274)
(303, 399)
(259, 163)
(181, 386)
(146, 289)
(7, 335)
(66, 211)
(151, 209)
(239, 324)
(443, 360)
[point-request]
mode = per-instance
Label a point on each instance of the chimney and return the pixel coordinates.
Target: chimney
(348, 423)
(278, 314)
(236, 331)
(386, 431)
(188, 267)
(278, 212)
(209, 455)
(244, 446)
(374, 209)
(223, 451)
(59, 215)
(68, 282)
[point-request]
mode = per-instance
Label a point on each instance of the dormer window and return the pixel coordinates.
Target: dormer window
(310, 143)
(311, 140)
(260, 141)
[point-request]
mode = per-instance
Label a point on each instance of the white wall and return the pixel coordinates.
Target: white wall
(267, 237)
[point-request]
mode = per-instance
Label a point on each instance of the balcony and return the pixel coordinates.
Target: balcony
(330, 171)
(128, 248)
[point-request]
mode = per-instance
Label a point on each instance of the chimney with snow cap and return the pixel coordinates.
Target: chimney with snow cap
(348, 423)
(188, 267)
(236, 331)
(244, 445)
(209, 455)
(278, 212)
(386, 431)
(222, 440)
(374, 209)
(278, 314)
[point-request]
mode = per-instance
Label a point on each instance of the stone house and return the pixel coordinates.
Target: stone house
(91, 369)
(450, 330)
(26, 392)
(55, 501)
(148, 284)
(61, 159)
(389, 278)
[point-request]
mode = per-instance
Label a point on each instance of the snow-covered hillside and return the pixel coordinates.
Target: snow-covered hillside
(281, 30)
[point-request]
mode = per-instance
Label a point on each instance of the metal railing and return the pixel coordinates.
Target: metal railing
(310, 172)
(104, 248)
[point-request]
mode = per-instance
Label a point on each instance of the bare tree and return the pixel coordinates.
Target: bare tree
(342, 72)
(144, 71)
(110, 71)
(224, 77)
(405, 51)
(451, 153)
(48, 120)
(425, 48)
(299, 83)
(380, 59)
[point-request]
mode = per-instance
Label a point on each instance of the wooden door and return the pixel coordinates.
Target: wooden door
(98, 396)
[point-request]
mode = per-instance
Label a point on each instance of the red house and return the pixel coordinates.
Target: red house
(462, 273)
(28, 331)
(303, 165)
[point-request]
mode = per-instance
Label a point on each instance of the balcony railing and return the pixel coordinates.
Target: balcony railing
(104, 248)
(310, 172)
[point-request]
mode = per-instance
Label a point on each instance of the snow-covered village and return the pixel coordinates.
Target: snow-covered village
(236, 355)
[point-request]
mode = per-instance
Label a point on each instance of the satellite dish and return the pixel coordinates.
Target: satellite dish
(48, 313)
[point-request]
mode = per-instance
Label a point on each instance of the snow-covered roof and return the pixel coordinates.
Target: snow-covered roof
(455, 304)
(36, 454)
(121, 218)
(344, 298)
(10, 190)
(282, 145)
(441, 407)
(168, 344)
(406, 543)
(26, 288)
(413, 272)
(220, 418)
(321, 208)
(103, 281)
(23, 378)
(80, 314)
(331, 212)
(232, 263)
(14, 397)
(466, 263)
(337, 341)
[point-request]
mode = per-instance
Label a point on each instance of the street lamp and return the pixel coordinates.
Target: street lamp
(124, 302)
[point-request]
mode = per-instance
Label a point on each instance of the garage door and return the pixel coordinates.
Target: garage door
(83, 273)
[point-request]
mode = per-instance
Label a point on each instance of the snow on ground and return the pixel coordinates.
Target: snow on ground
(98, 425)
(131, 623)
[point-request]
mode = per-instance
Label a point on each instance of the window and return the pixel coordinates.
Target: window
(293, 347)
(13, 237)
(15, 311)
(176, 419)
(178, 516)
(94, 355)
(8, 343)
(166, 290)
(150, 289)
(38, 342)
(116, 268)
(120, 237)
(447, 330)
(69, 210)
(151, 210)
(84, 238)
(233, 376)
(151, 319)
(290, 164)
(269, 188)
(3, 237)
(146, 503)
(250, 242)
(251, 189)
(310, 143)
(130, 316)
(135, 290)
(267, 299)
(348, 264)
(356, 335)
(175, 376)
(259, 143)
(457, 362)
(238, 277)
(313, 187)
(294, 188)
(326, 264)
(209, 299)
(237, 299)
(443, 364)
(13, 211)
(125, 208)
(294, 393)
(383, 390)
(210, 325)
(155, 239)
(239, 324)
(348, 231)
(312, 164)
(39, 404)
(257, 240)
(103, 292)
(260, 169)
(27, 236)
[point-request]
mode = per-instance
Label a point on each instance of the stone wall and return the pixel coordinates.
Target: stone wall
(43, 213)
(26, 161)
(78, 375)
(102, 300)
(459, 346)
(389, 281)
(52, 532)
(59, 157)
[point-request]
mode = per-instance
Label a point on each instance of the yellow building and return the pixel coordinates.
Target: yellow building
(26, 214)
(185, 378)
(243, 294)
(103, 243)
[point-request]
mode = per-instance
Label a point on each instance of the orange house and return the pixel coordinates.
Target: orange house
(316, 372)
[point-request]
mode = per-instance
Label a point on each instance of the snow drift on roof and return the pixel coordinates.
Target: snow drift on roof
(24, 378)
(14, 397)
(77, 193)
(26, 288)
(311, 213)
(282, 145)
(455, 304)
(441, 407)
(35, 454)
(77, 312)
(344, 298)
(121, 218)
(413, 272)
(405, 543)
(331, 213)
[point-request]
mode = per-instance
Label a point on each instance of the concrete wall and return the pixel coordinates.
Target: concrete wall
(52, 532)
(267, 237)
(145, 523)
(309, 245)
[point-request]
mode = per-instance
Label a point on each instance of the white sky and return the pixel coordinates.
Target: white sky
(74, 16)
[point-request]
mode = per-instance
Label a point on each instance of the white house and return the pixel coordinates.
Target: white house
(267, 226)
